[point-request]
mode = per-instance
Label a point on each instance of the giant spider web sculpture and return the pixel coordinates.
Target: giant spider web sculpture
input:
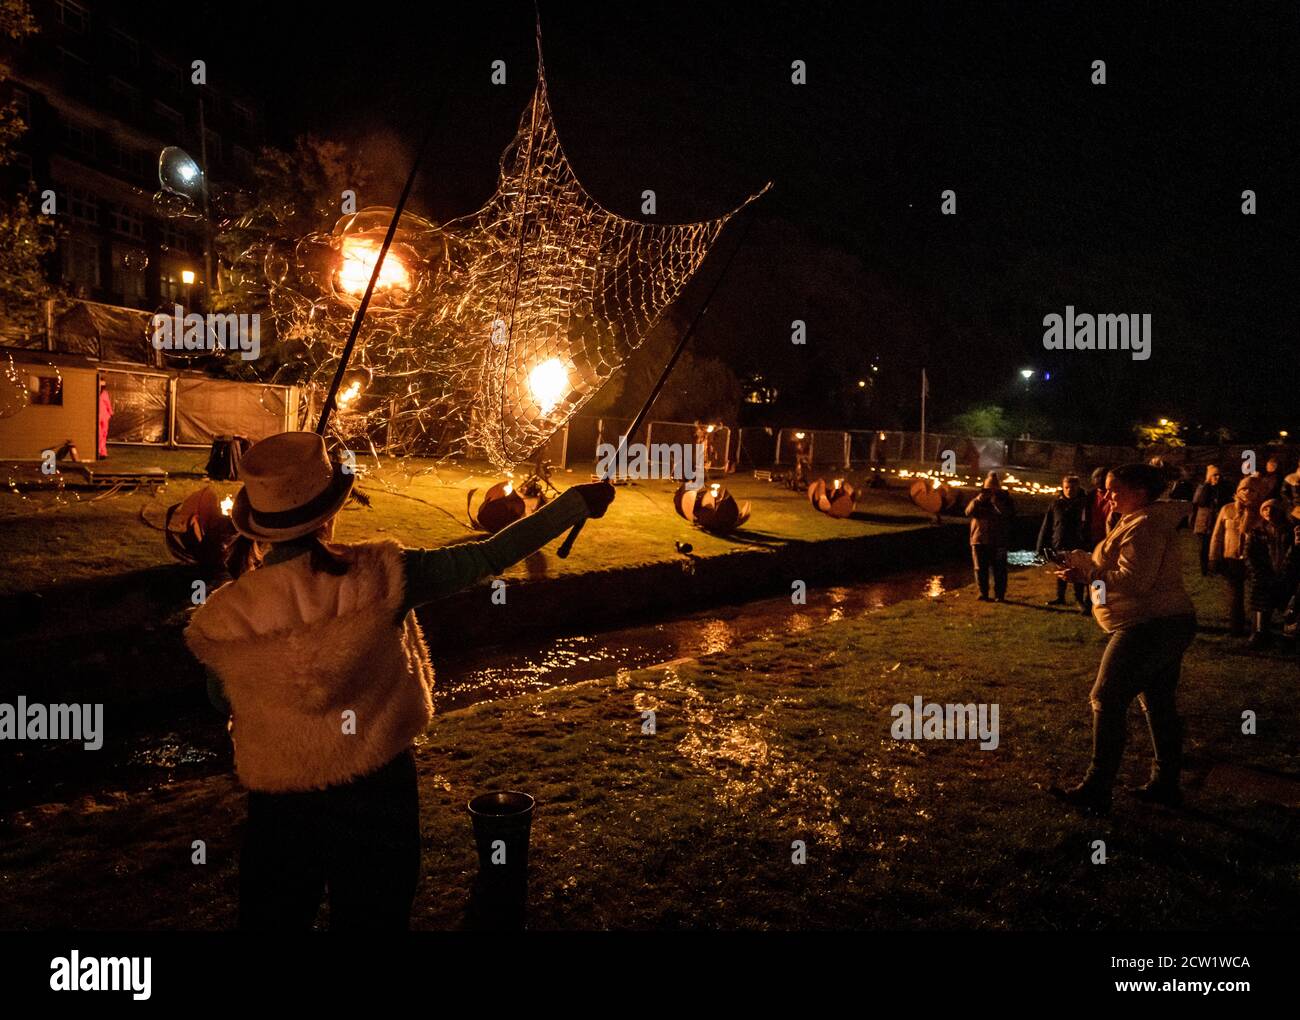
(487, 333)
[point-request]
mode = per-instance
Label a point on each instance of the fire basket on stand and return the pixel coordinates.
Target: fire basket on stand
(712, 508)
(506, 502)
(835, 499)
(933, 496)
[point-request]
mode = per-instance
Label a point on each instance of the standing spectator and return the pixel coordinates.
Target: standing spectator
(1065, 527)
(1291, 490)
(991, 514)
(1210, 496)
(1228, 549)
(105, 415)
(1181, 486)
(1269, 564)
(1150, 622)
(1272, 477)
(1097, 512)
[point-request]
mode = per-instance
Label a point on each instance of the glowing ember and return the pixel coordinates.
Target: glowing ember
(349, 394)
(227, 505)
(548, 382)
(359, 263)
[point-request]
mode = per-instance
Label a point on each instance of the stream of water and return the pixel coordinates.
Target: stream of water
(191, 741)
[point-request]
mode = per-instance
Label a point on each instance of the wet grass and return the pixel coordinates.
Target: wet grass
(57, 538)
(767, 744)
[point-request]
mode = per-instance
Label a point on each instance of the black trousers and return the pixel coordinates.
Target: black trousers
(986, 558)
(358, 841)
(1080, 593)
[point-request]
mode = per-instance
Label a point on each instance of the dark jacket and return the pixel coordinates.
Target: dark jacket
(991, 514)
(1271, 566)
(1066, 525)
(1207, 501)
(1098, 523)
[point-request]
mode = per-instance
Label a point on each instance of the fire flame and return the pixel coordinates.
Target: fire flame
(549, 382)
(359, 262)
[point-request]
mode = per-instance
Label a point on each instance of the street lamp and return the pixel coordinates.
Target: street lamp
(1026, 374)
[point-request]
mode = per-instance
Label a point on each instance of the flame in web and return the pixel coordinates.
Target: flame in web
(488, 332)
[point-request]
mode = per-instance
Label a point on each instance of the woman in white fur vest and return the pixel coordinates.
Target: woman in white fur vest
(319, 658)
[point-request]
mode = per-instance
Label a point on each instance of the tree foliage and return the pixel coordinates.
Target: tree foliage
(26, 236)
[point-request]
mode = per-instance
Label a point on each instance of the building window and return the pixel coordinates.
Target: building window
(175, 239)
(128, 273)
(126, 221)
(79, 137)
(83, 205)
(214, 147)
(126, 48)
(243, 116)
(174, 122)
(81, 263)
(72, 15)
(76, 72)
(126, 98)
(172, 287)
(45, 389)
(168, 75)
(127, 158)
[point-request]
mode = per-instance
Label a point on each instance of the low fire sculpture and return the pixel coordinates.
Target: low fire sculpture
(835, 499)
(712, 508)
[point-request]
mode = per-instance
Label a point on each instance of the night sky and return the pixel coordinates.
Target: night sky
(1118, 198)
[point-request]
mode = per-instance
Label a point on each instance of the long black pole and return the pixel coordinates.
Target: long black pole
(567, 545)
(370, 287)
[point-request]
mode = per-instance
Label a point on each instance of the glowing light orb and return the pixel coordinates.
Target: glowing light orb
(227, 505)
(548, 383)
(358, 265)
(349, 394)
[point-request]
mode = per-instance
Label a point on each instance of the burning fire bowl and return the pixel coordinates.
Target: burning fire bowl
(933, 498)
(712, 508)
(198, 531)
(834, 499)
(500, 506)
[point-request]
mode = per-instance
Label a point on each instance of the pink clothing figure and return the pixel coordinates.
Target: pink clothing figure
(105, 413)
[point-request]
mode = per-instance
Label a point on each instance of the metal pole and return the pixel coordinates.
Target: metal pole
(209, 277)
(567, 545)
(370, 287)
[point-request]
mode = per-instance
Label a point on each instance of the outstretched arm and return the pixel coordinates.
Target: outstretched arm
(433, 573)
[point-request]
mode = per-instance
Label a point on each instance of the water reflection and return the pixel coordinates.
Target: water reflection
(484, 674)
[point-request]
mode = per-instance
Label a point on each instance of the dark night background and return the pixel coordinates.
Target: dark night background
(1117, 198)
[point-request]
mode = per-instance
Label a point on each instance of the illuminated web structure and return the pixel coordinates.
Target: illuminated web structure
(488, 332)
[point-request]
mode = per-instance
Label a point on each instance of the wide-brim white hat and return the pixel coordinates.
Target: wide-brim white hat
(291, 487)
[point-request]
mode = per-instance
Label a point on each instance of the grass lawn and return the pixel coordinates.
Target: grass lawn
(770, 743)
(55, 538)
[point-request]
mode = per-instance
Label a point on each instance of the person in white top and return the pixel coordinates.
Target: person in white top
(1136, 574)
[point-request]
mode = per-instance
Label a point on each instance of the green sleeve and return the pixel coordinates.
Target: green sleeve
(433, 573)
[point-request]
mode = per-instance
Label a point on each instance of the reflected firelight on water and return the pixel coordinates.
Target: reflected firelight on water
(505, 671)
